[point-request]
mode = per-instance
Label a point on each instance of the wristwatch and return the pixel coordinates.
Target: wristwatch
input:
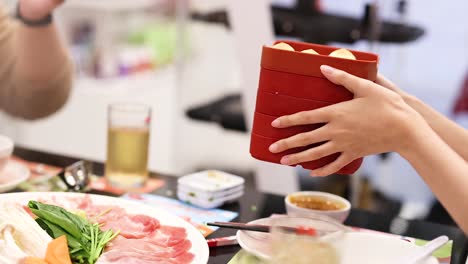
(33, 23)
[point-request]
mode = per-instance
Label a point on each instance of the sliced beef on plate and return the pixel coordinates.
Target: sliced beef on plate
(152, 245)
(168, 235)
(130, 226)
(76, 203)
(143, 259)
(142, 239)
(146, 250)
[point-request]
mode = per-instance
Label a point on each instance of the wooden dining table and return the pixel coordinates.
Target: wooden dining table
(254, 205)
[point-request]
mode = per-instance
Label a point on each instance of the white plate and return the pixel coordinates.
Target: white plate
(357, 248)
(13, 175)
(257, 243)
(352, 247)
(199, 246)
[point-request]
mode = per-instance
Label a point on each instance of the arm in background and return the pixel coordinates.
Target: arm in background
(35, 70)
(452, 133)
(443, 170)
(379, 120)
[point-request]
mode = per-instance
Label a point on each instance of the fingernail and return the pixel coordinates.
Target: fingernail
(285, 160)
(276, 123)
(327, 69)
(274, 148)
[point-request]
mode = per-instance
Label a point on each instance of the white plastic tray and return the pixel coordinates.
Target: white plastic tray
(206, 203)
(211, 181)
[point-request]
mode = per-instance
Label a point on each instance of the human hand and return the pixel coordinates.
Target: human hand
(377, 120)
(37, 9)
(411, 100)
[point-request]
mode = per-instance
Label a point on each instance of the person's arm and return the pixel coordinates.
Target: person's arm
(453, 134)
(378, 120)
(444, 171)
(35, 71)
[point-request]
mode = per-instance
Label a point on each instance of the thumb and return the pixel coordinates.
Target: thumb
(359, 87)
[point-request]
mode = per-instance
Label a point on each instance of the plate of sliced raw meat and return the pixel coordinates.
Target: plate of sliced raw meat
(146, 234)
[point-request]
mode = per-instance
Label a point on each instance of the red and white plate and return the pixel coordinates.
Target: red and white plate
(199, 247)
(13, 175)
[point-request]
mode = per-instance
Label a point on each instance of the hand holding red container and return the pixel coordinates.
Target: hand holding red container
(291, 81)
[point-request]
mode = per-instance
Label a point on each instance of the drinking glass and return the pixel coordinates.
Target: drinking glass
(304, 247)
(127, 145)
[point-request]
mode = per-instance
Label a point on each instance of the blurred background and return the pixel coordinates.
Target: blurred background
(196, 64)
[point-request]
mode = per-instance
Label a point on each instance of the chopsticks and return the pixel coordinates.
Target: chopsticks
(300, 230)
(241, 226)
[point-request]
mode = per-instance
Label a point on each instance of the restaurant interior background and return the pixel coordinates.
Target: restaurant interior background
(191, 63)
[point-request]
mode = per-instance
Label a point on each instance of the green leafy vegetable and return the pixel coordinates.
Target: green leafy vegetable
(86, 240)
(73, 224)
(56, 231)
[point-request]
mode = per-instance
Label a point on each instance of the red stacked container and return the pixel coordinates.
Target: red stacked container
(290, 82)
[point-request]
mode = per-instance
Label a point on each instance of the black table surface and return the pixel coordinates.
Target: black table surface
(254, 205)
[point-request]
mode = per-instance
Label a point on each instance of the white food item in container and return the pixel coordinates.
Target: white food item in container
(10, 252)
(343, 53)
(310, 51)
(20, 235)
(283, 46)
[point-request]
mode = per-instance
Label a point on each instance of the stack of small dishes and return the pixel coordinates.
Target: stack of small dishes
(210, 189)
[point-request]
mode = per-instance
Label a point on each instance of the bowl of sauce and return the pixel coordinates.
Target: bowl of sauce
(310, 203)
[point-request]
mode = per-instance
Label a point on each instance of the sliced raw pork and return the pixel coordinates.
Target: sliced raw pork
(142, 239)
(130, 226)
(148, 250)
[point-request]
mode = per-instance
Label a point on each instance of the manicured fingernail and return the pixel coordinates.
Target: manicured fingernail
(285, 160)
(274, 148)
(327, 69)
(276, 123)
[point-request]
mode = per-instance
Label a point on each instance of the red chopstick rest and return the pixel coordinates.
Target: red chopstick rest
(291, 82)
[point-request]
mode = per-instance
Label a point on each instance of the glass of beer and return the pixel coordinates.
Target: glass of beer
(127, 145)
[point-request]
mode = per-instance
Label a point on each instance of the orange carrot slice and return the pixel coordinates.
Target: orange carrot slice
(33, 260)
(57, 251)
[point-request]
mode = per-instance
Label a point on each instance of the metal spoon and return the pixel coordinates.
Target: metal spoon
(76, 176)
(425, 251)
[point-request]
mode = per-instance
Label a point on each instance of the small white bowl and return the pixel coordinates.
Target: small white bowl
(339, 215)
(357, 248)
(352, 247)
(6, 148)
